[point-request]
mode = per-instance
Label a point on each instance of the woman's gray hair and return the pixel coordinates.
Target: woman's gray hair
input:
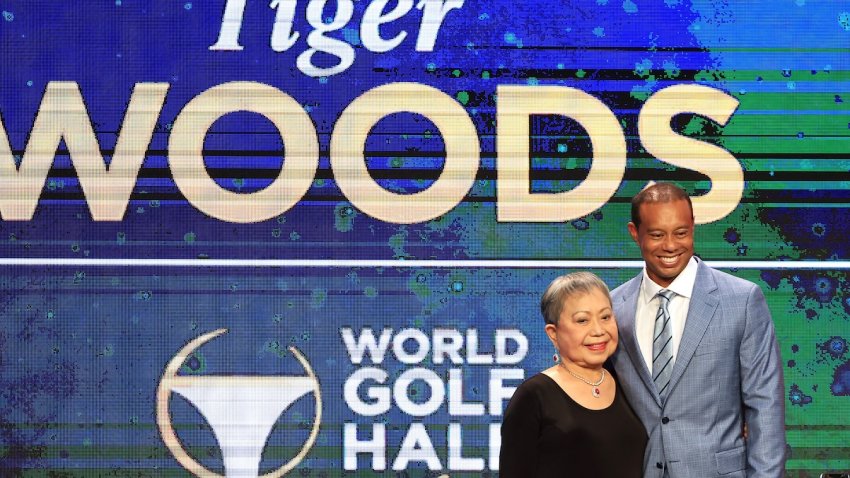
(566, 286)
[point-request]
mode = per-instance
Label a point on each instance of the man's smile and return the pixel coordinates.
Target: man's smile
(669, 260)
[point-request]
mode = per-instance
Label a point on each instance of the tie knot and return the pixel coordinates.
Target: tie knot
(665, 295)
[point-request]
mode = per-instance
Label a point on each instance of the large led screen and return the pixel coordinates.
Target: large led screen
(334, 219)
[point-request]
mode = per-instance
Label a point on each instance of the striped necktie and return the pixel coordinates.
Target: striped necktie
(662, 344)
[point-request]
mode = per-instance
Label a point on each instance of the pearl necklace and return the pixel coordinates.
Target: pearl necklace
(595, 385)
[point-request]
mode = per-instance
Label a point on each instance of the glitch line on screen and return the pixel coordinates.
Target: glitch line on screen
(398, 263)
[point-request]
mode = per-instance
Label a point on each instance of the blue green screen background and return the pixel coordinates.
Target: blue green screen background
(84, 341)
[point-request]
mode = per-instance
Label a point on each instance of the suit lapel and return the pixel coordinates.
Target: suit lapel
(628, 337)
(700, 313)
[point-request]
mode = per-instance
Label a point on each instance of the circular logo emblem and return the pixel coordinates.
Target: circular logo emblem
(241, 410)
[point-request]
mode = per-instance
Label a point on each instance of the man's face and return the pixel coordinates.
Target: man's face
(665, 238)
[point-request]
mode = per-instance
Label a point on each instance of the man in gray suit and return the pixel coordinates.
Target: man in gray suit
(698, 357)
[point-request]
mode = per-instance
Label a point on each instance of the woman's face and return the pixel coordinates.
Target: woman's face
(586, 333)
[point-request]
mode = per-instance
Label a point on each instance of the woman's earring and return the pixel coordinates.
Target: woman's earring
(556, 358)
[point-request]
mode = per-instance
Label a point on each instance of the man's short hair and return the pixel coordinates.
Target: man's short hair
(658, 192)
(566, 286)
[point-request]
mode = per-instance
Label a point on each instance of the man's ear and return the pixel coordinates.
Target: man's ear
(633, 232)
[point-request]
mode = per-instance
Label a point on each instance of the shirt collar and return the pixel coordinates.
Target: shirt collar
(682, 285)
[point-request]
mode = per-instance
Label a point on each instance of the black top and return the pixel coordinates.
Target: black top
(546, 433)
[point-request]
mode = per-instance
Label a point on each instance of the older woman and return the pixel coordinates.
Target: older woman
(570, 419)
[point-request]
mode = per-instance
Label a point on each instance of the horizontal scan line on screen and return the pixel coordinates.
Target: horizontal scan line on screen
(353, 263)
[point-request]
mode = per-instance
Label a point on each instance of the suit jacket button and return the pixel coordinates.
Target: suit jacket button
(665, 420)
(659, 466)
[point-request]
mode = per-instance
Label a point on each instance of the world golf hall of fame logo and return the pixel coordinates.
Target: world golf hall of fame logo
(241, 410)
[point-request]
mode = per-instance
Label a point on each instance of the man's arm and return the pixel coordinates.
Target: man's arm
(762, 391)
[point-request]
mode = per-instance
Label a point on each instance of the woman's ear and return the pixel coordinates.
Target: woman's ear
(552, 332)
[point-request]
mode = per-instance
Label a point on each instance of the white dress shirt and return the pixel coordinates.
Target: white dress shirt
(647, 309)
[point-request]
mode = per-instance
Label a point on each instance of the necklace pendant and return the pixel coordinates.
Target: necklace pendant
(595, 392)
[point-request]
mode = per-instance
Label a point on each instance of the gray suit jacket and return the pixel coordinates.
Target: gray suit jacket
(727, 372)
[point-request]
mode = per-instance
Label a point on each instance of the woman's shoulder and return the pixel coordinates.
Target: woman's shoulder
(537, 384)
(529, 395)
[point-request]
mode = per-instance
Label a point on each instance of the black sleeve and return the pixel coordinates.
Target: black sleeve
(520, 433)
